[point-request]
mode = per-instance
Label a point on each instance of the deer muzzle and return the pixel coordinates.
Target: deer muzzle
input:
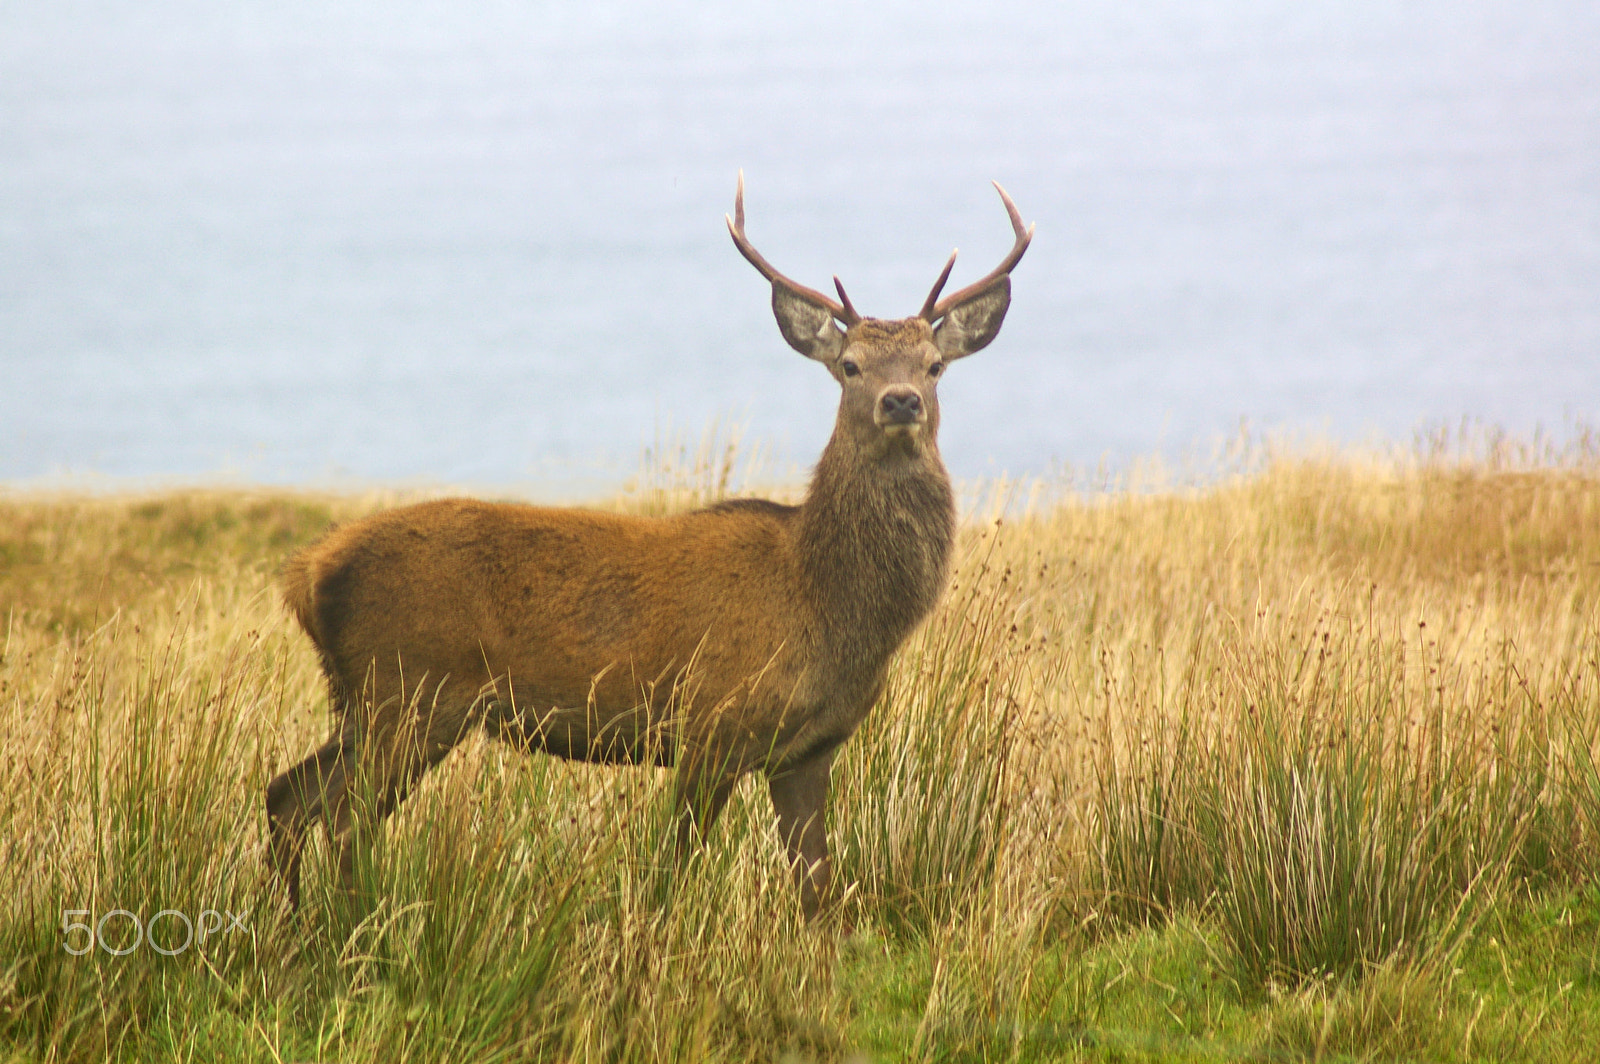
(900, 410)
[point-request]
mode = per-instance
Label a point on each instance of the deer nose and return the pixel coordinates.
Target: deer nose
(900, 406)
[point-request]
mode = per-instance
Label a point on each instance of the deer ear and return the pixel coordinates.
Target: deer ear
(975, 322)
(807, 326)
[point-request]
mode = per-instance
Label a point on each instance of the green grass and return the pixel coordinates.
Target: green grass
(1298, 766)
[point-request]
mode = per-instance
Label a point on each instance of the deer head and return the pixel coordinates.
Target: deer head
(889, 369)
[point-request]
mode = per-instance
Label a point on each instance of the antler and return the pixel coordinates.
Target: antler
(842, 311)
(944, 275)
(935, 308)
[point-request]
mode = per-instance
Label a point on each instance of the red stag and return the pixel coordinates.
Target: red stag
(745, 636)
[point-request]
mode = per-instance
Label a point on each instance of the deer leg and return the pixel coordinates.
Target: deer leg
(312, 790)
(700, 797)
(391, 762)
(800, 798)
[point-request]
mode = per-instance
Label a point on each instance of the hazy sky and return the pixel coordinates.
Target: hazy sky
(485, 243)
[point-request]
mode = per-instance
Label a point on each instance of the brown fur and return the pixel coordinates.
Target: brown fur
(747, 636)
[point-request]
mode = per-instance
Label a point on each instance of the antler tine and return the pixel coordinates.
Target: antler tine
(844, 312)
(938, 286)
(995, 276)
(850, 316)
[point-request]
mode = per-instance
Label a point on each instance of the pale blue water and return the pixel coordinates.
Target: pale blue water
(484, 242)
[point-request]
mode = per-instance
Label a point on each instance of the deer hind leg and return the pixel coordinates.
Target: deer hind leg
(315, 790)
(389, 760)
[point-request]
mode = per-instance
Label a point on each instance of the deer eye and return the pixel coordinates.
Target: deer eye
(936, 369)
(850, 368)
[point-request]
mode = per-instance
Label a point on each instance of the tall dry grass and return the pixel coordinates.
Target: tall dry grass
(1334, 706)
(1339, 703)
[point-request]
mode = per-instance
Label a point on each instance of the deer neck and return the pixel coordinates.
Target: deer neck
(875, 541)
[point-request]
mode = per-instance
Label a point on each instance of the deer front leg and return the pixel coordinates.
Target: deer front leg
(697, 803)
(800, 798)
(700, 796)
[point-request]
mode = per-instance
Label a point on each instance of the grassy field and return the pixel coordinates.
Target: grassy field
(1297, 765)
